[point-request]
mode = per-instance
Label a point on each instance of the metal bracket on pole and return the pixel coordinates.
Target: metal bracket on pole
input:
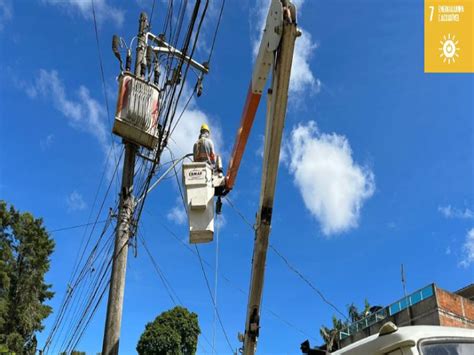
(164, 47)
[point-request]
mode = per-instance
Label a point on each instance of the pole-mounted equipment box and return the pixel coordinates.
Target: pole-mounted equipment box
(136, 116)
(199, 190)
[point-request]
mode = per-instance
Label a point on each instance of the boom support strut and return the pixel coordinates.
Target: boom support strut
(275, 120)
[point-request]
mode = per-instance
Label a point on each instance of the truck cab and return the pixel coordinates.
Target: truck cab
(411, 340)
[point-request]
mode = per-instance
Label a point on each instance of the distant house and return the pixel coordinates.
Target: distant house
(430, 305)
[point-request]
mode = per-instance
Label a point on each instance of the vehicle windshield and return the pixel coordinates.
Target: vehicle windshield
(447, 348)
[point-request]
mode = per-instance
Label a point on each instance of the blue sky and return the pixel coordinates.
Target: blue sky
(377, 168)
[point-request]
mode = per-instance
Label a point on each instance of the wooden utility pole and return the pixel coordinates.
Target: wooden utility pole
(113, 321)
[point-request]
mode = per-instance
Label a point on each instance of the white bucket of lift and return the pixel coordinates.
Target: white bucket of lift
(197, 179)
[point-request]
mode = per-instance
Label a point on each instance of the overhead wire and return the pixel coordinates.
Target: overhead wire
(231, 283)
(289, 265)
(151, 12)
(171, 109)
(82, 285)
(174, 298)
(70, 290)
(95, 296)
(168, 109)
(184, 110)
(102, 73)
(205, 275)
(80, 317)
(67, 297)
(75, 226)
(216, 31)
(82, 241)
(163, 278)
(83, 321)
(216, 273)
(306, 280)
(213, 300)
(81, 274)
(240, 214)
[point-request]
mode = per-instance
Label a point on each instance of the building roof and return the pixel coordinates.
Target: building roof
(466, 292)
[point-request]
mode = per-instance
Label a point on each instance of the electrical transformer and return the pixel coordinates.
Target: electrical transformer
(136, 116)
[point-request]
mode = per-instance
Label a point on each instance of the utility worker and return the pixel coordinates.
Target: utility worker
(204, 147)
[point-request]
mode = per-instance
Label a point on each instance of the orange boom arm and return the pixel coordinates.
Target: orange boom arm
(248, 116)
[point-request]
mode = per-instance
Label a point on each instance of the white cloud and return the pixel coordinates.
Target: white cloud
(104, 12)
(333, 186)
(182, 141)
(261, 150)
(75, 202)
(46, 142)
(187, 131)
(468, 249)
(452, 212)
(177, 214)
(220, 222)
(302, 78)
(83, 113)
(6, 13)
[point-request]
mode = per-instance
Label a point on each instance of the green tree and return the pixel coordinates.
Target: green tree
(171, 333)
(331, 335)
(25, 249)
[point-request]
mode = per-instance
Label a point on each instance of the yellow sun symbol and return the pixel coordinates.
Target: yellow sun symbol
(449, 49)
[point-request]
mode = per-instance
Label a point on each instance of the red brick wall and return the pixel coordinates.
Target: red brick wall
(454, 310)
(449, 301)
(468, 308)
(448, 321)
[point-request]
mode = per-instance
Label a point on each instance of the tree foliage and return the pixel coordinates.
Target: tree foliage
(173, 332)
(25, 248)
(331, 335)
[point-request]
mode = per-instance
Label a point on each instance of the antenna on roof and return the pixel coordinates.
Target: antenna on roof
(404, 282)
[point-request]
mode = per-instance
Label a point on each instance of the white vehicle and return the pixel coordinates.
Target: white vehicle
(411, 340)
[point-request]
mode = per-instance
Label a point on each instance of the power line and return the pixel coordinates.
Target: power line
(225, 278)
(204, 272)
(161, 275)
(167, 284)
(212, 298)
(77, 302)
(78, 275)
(291, 267)
(216, 31)
(180, 65)
(152, 10)
(302, 277)
(184, 109)
(82, 323)
(101, 65)
(69, 292)
(76, 226)
(216, 273)
(244, 219)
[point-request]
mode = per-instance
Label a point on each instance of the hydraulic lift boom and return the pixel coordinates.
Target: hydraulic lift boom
(275, 54)
(202, 183)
